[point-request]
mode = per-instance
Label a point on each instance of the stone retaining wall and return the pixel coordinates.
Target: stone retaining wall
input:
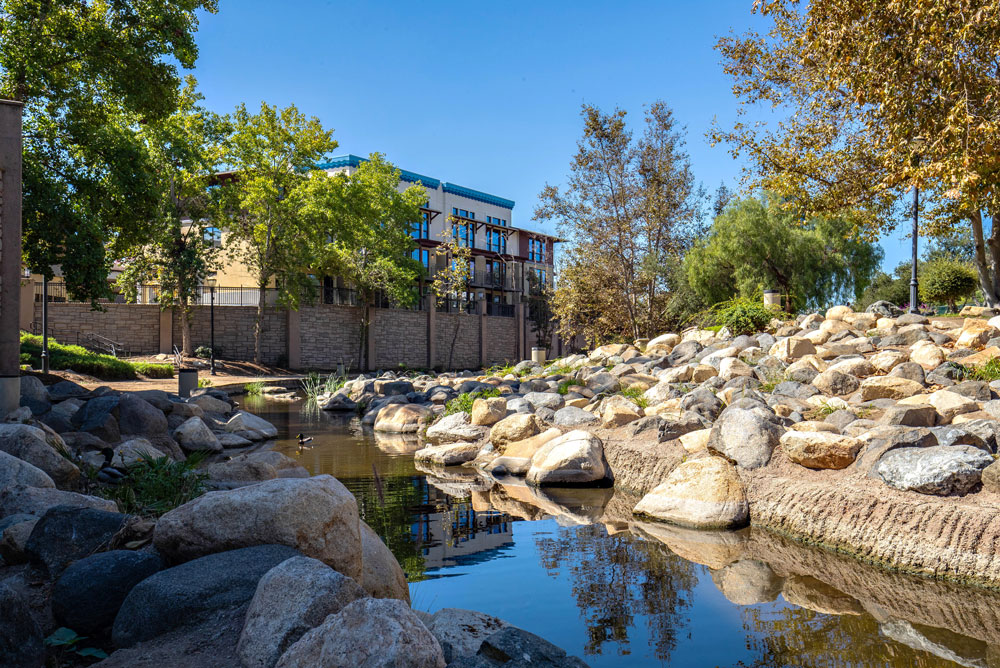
(461, 332)
(234, 332)
(135, 325)
(329, 335)
(400, 338)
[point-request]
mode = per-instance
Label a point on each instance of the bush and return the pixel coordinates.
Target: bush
(895, 290)
(947, 281)
(254, 388)
(84, 361)
(155, 486)
(204, 352)
(464, 401)
(743, 315)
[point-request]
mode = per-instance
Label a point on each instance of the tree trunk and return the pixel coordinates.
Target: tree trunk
(186, 329)
(987, 274)
(259, 324)
(363, 338)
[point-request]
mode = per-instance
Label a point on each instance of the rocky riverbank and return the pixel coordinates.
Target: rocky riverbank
(272, 568)
(874, 434)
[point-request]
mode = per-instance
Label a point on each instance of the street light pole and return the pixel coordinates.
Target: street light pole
(913, 270)
(45, 325)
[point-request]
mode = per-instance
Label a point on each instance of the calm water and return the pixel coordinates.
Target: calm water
(573, 567)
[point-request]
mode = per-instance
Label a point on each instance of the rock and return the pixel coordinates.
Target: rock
(940, 470)
(14, 533)
(88, 595)
(744, 437)
(792, 348)
(571, 416)
(403, 418)
(516, 647)
(455, 428)
(732, 367)
(910, 415)
(194, 435)
(20, 635)
(188, 594)
(382, 576)
(512, 428)
(15, 471)
(292, 598)
(65, 534)
(886, 360)
(98, 418)
(887, 387)
(575, 458)
(394, 637)
(820, 449)
(340, 402)
(487, 412)
(516, 459)
(991, 477)
(138, 417)
(37, 500)
(240, 471)
(250, 427)
(544, 400)
(704, 493)
(182, 409)
(807, 592)
(748, 582)
(38, 448)
(884, 309)
(462, 632)
(210, 404)
(949, 404)
(835, 383)
(927, 355)
(617, 411)
(450, 454)
(126, 454)
(67, 389)
(227, 440)
(975, 334)
(317, 516)
(910, 370)
(34, 395)
(390, 387)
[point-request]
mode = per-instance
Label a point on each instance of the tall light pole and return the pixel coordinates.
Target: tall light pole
(45, 325)
(916, 144)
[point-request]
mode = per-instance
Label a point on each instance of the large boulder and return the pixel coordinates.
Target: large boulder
(573, 416)
(251, 427)
(461, 632)
(20, 635)
(40, 449)
(34, 395)
(703, 493)
(38, 500)
(292, 598)
(744, 437)
(99, 417)
(190, 593)
(66, 534)
(382, 576)
(211, 404)
(617, 411)
(487, 412)
(748, 582)
(16, 471)
(544, 400)
(820, 449)
(792, 348)
(391, 386)
(88, 595)
(515, 427)
(194, 435)
(516, 647)
(940, 469)
(402, 418)
(449, 454)
(367, 633)
(575, 458)
(889, 387)
(317, 516)
(516, 459)
(138, 417)
(455, 428)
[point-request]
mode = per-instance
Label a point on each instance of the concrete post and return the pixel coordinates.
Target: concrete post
(167, 331)
(27, 303)
(482, 333)
(522, 353)
(10, 255)
(431, 331)
(294, 339)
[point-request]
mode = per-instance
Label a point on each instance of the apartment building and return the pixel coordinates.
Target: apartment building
(503, 256)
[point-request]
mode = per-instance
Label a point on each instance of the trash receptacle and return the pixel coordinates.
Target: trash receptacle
(187, 382)
(538, 355)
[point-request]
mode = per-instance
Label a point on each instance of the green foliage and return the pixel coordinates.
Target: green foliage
(988, 372)
(67, 641)
(89, 74)
(756, 245)
(893, 288)
(947, 281)
(499, 370)
(559, 370)
(464, 401)
(81, 360)
(635, 395)
(154, 486)
(25, 358)
(204, 382)
(203, 352)
(254, 388)
(566, 384)
(743, 315)
(314, 385)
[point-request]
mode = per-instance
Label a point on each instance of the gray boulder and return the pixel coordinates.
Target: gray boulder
(544, 400)
(37, 500)
(292, 598)
(455, 428)
(88, 595)
(884, 309)
(744, 437)
(38, 448)
(67, 389)
(193, 435)
(462, 632)
(20, 635)
(34, 395)
(99, 417)
(941, 470)
(15, 471)
(516, 647)
(251, 427)
(381, 576)
(66, 534)
(572, 416)
(138, 417)
(191, 592)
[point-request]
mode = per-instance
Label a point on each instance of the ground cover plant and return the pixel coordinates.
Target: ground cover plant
(743, 315)
(464, 401)
(81, 360)
(155, 485)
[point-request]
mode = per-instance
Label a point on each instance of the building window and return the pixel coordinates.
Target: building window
(496, 241)
(502, 222)
(465, 234)
(536, 250)
(213, 237)
(423, 256)
(462, 213)
(422, 229)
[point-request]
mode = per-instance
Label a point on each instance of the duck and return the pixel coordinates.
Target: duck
(109, 474)
(303, 439)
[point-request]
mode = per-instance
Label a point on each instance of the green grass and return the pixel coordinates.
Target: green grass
(989, 371)
(81, 360)
(155, 486)
(464, 401)
(566, 384)
(254, 388)
(314, 385)
(635, 395)
(772, 382)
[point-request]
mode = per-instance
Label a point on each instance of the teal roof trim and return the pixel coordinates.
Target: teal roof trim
(478, 196)
(351, 160)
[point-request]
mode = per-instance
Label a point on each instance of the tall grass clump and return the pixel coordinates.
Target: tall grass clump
(315, 384)
(254, 388)
(155, 485)
(743, 315)
(464, 401)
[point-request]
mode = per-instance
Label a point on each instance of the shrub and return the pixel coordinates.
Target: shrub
(153, 370)
(254, 388)
(204, 382)
(743, 315)
(947, 281)
(314, 385)
(464, 401)
(84, 361)
(157, 485)
(204, 352)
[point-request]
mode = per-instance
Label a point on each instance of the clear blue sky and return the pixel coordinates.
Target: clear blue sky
(486, 95)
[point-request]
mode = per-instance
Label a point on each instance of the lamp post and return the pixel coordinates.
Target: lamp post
(45, 325)
(211, 318)
(916, 144)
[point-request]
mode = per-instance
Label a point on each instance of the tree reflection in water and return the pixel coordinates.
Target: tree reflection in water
(617, 577)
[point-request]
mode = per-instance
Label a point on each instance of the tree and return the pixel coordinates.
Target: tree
(365, 226)
(540, 313)
(273, 155)
(894, 288)
(756, 245)
(452, 276)
(185, 149)
(90, 74)
(629, 205)
(879, 97)
(947, 281)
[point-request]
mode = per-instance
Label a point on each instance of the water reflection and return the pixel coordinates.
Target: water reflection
(574, 566)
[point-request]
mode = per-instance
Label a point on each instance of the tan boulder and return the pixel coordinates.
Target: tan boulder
(832, 327)
(814, 426)
(982, 357)
(402, 418)
(857, 367)
(792, 348)
(948, 404)
(817, 337)
(575, 458)
(618, 411)
(838, 312)
(695, 441)
(889, 387)
(517, 456)
(382, 576)
(703, 372)
(861, 321)
(886, 360)
(488, 412)
(927, 355)
(975, 334)
(516, 427)
(820, 449)
(732, 367)
(703, 493)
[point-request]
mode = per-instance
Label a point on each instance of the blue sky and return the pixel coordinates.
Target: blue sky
(486, 95)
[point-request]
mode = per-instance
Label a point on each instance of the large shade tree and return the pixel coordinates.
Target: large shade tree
(872, 98)
(89, 75)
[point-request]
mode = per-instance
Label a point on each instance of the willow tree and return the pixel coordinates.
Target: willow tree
(628, 206)
(273, 154)
(90, 75)
(872, 98)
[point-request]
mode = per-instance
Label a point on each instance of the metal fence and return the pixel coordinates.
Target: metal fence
(503, 310)
(57, 293)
